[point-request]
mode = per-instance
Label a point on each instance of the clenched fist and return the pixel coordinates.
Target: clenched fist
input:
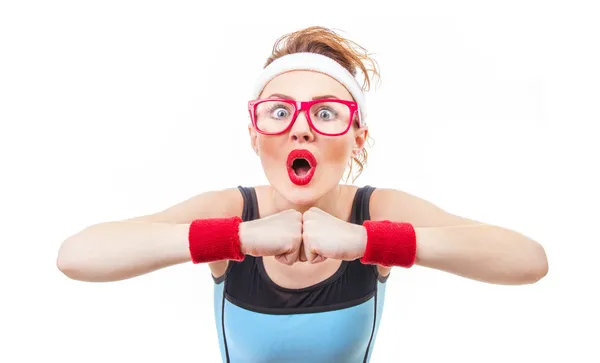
(325, 236)
(278, 235)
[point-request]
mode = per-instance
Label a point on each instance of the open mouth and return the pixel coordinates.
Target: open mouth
(301, 165)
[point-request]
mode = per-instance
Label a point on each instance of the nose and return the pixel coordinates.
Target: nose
(301, 130)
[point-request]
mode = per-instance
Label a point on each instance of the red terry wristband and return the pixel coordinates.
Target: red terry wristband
(215, 239)
(390, 244)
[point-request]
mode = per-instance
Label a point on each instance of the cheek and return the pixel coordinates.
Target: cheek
(337, 151)
(270, 148)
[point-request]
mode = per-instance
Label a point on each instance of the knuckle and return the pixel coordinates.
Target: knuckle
(297, 240)
(306, 239)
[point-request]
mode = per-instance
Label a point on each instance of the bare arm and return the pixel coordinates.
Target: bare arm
(463, 246)
(118, 250)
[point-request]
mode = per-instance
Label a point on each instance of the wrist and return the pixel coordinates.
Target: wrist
(390, 244)
(215, 239)
(244, 230)
(361, 240)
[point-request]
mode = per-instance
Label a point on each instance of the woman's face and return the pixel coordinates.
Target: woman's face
(331, 153)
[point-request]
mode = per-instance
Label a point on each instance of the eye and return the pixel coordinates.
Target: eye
(326, 114)
(279, 111)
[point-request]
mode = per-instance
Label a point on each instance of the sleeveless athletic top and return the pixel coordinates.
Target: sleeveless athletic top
(335, 320)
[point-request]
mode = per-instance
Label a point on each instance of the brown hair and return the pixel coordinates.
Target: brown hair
(347, 53)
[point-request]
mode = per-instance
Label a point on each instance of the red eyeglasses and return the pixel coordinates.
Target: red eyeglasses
(329, 117)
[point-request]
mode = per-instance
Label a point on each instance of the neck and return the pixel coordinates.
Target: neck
(330, 203)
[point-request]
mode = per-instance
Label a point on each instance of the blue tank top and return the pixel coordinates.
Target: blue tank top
(335, 320)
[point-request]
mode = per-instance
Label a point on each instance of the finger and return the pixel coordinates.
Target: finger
(316, 210)
(306, 216)
(312, 213)
(305, 248)
(302, 255)
(318, 258)
(312, 256)
(291, 257)
(285, 259)
(297, 216)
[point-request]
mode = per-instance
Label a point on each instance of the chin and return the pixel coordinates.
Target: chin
(304, 196)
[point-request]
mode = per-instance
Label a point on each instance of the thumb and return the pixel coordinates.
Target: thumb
(312, 256)
(302, 254)
(289, 258)
(316, 258)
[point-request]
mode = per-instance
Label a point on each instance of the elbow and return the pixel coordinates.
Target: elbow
(77, 270)
(80, 259)
(67, 261)
(68, 269)
(73, 261)
(541, 269)
(535, 266)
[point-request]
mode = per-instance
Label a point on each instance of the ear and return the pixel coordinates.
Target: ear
(253, 135)
(360, 138)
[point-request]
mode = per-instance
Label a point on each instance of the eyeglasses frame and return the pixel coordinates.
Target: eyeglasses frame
(305, 106)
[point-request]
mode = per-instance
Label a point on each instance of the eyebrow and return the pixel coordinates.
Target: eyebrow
(280, 95)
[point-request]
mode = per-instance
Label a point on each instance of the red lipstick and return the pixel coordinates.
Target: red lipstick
(301, 166)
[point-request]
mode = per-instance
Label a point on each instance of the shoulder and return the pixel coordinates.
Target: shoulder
(397, 205)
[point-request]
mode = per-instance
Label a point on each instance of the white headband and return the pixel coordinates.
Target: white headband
(313, 62)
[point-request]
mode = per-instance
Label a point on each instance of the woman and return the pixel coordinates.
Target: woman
(300, 265)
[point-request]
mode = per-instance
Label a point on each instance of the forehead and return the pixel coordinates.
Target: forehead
(304, 85)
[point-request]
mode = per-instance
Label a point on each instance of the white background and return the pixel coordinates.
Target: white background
(118, 108)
